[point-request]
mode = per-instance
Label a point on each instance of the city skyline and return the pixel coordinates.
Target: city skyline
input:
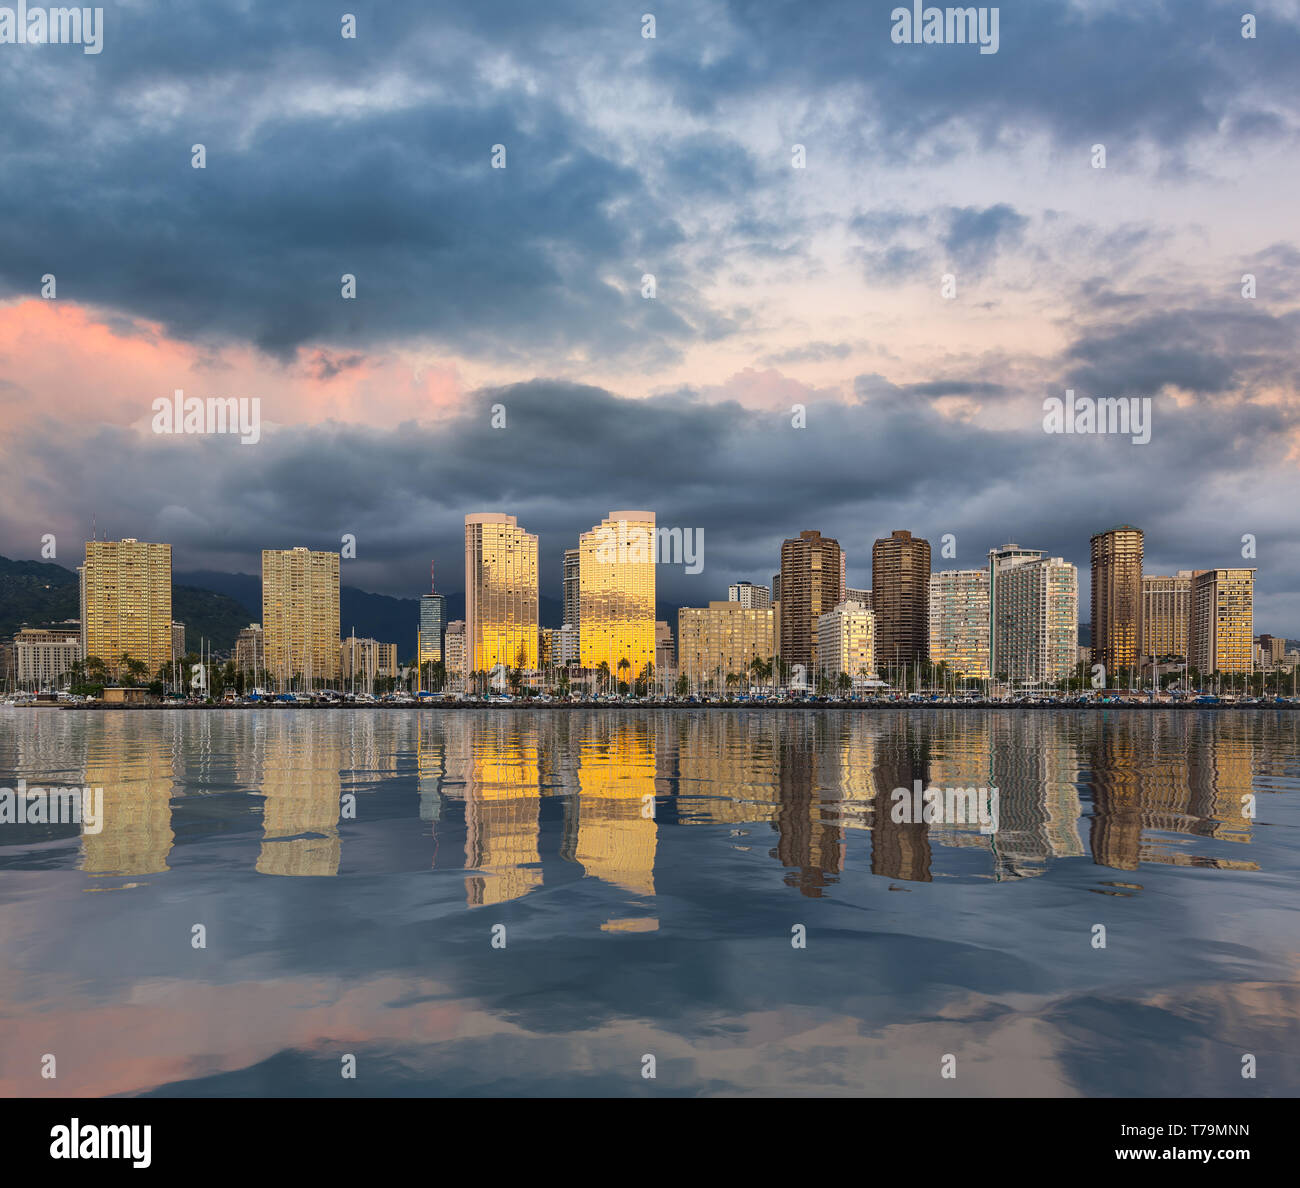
(706, 583)
(664, 299)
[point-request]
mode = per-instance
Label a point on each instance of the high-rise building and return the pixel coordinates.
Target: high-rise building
(665, 650)
(722, 638)
(1221, 621)
(862, 596)
(1166, 606)
(1117, 598)
(433, 624)
(178, 640)
(959, 621)
(616, 566)
(776, 587)
(846, 642)
(126, 603)
(810, 586)
(564, 645)
(250, 651)
(1001, 560)
(572, 589)
(749, 595)
(501, 623)
(363, 661)
(558, 647)
(1034, 616)
(1272, 651)
(453, 643)
(900, 594)
(43, 656)
(300, 617)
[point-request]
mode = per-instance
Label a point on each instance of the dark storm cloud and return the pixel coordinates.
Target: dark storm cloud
(300, 188)
(370, 156)
(1200, 350)
(1159, 75)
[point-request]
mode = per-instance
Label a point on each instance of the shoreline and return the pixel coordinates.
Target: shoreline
(679, 706)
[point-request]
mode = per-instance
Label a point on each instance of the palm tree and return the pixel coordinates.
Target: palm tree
(602, 672)
(623, 664)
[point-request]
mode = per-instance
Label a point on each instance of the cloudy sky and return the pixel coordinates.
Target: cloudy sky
(775, 286)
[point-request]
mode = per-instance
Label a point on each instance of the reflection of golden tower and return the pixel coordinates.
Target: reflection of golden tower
(302, 787)
(134, 768)
(616, 772)
(502, 807)
(1223, 774)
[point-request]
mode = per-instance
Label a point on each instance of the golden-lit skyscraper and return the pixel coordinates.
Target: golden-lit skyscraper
(501, 624)
(616, 575)
(300, 617)
(1117, 598)
(1221, 621)
(126, 602)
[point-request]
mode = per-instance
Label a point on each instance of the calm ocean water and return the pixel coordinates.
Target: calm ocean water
(350, 870)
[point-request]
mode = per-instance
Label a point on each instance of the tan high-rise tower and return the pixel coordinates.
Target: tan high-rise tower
(900, 593)
(1221, 621)
(300, 617)
(1166, 608)
(616, 578)
(1117, 598)
(500, 593)
(810, 587)
(126, 603)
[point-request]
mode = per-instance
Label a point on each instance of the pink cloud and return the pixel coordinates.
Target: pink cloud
(78, 365)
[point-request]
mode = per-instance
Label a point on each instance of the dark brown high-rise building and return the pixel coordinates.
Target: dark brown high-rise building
(900, 592)
(1117, 598)
(810, 586)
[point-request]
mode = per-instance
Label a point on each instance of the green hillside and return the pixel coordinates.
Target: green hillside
(36, 593)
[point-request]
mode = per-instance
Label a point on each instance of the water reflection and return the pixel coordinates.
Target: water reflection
(1123, 789)
(350, 866)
